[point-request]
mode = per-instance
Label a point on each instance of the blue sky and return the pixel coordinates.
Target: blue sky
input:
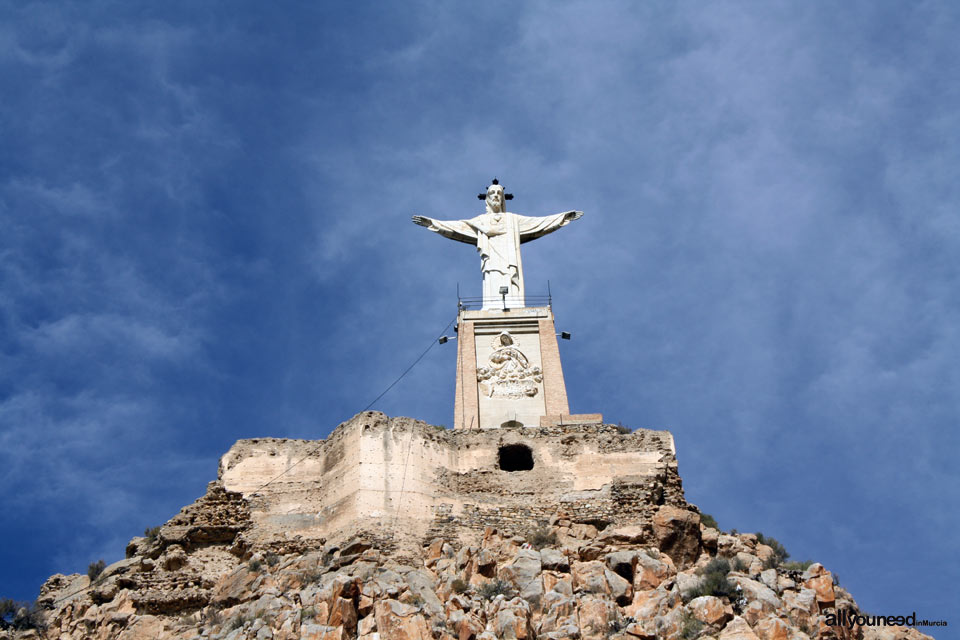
(205, 214)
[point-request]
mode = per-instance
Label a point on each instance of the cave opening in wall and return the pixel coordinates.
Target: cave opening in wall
(515, 457)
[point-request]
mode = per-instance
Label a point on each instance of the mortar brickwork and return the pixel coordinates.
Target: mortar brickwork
(415, 480)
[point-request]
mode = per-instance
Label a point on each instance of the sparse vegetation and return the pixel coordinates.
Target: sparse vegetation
(495, 588)
(690, 626)
(94, 569)
(624, 430)
(415, 599)
(212, 616)
(311, 576)
(780, 554)
(151, 533)
(713, 581)
(708, 520)
(796, 566)
(306, 614)
(237, 622)
(459, 586)
(255, 566)
(19, 615)
(8, 608)
(542, 537)
(271, 559)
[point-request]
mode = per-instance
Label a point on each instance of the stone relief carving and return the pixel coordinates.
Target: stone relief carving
(509, 374)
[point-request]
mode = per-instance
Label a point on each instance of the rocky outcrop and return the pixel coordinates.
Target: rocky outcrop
(605, 586)
(625, 561)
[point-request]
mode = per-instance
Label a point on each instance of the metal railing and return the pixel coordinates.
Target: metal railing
(502, 302)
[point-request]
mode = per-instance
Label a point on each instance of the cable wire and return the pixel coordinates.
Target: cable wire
(392, 385)
(316, 448)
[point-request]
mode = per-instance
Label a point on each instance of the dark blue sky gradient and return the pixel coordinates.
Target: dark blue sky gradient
(205, 215)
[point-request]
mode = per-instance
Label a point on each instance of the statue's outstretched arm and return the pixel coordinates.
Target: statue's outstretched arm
(533, 227)
(457, 230)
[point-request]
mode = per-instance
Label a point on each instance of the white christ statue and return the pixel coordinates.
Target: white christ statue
(498, 234)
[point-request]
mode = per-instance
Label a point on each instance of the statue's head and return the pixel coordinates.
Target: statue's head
(495, 198)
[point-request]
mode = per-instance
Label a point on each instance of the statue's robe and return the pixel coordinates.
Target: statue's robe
(498, 243)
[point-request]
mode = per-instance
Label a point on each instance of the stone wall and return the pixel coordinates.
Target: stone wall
(406, 480)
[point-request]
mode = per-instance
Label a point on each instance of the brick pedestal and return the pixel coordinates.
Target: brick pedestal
(508, 369)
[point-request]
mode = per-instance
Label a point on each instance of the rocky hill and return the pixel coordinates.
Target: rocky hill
(206, 574)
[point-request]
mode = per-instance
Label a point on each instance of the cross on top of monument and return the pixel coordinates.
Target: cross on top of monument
(506, 196)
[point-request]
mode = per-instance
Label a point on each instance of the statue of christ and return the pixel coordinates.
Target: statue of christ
(498, 234)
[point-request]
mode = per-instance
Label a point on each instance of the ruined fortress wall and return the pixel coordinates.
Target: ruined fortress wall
(589, 473)
(405, 479)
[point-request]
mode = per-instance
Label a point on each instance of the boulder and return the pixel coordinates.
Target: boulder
(785, 583)
(421, 584)
(728, 545)
(801, 607)
(589, 551)
(235, 587)
(738, 629)
(814, 570)
(774, 628)
(620, 589)
(524, 568)
(756, 591)
(650, 571)
(708, 538)
(399, 621)
(367, 626)
(745, 560)
(559, 582)
(309, 631)
(554, 560)
(632, 534)
(467, 627)
(595, 617)
(822, 586)
(710, 610)
(513, 621)
(677, 532)
(343, 614)
(560, 604)
(583, 531)
(640, 631)
(590, 577)
(647, 605)
(769, 578)
(486, 563)
(622, 562)
(765, 553)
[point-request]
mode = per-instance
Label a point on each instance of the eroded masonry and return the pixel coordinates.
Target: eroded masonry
(402, 481)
